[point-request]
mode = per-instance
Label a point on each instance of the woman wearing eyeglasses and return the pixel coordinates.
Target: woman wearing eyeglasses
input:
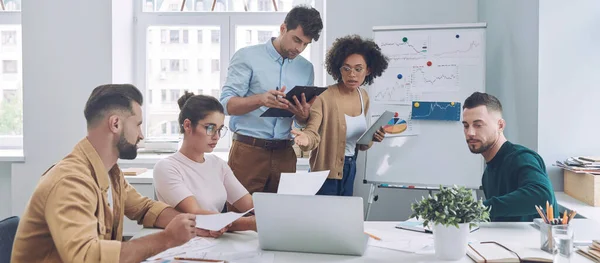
(195, 182)
(338, 117)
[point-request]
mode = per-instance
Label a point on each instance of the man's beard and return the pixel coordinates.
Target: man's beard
(483, 148)
(126, 150)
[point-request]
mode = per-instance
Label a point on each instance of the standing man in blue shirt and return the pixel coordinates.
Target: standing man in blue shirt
(256, 80)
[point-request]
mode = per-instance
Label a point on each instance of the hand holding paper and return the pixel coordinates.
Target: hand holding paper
(217, 222)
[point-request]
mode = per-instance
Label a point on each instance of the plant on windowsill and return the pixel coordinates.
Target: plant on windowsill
(451, 213)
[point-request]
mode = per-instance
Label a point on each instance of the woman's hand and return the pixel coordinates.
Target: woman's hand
(379, 135)
(210, 233)
(300, 138)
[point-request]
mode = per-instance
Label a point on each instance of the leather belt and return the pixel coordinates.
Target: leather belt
(263, 143)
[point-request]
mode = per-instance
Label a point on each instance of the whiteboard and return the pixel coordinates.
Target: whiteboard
(428, 63)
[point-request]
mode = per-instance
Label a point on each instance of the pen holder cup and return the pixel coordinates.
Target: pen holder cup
(546, 240)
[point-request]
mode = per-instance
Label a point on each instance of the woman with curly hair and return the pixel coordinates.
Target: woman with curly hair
(338, 117)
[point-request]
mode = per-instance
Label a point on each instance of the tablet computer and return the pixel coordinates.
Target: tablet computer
(367, 137)
(309, 91)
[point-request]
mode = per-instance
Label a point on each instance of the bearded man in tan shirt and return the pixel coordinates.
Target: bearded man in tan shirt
(76, 211)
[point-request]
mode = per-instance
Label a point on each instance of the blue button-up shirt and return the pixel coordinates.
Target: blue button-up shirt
(255, 70)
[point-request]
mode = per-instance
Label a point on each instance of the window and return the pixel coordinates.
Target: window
(264, 36)
(214, 36)
(185, 65)
(9, 96)
(174, 36)
(175, 94)
(214, 65)
(174, 127)
(11, 81)
(163, 95)
(210, 37)
(150, 95)
(163, 36)
(9, 38)
(163, 65)
(185, 36)
(9, 66)
(248, 37)
(163, 128)
(174, 64)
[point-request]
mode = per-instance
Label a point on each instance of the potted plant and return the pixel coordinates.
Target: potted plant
(450, 214)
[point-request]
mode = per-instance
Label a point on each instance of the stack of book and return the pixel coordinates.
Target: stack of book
(581, 164)
(592, 252)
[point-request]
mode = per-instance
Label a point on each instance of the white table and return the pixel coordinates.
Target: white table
(582, 209)
(521, 233)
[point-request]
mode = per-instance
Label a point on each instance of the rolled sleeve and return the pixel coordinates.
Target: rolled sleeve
(70, 214)
(142, 209)
(238, 79)
(153, 213)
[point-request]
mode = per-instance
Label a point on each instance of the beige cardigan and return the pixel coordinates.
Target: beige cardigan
(326, 132)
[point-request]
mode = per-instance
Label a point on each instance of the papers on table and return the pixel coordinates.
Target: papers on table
(235, 257)
(301, 183)
(401, 241)
(217, 222)
(195, 244)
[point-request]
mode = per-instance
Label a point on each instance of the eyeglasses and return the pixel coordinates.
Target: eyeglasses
(211, 129)
(347, 69)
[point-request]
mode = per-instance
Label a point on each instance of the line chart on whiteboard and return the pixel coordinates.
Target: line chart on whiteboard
(424, 65)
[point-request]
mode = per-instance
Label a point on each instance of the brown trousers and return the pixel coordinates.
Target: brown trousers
(259, 169)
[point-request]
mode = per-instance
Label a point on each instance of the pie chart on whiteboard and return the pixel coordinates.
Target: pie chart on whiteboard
(395, 125)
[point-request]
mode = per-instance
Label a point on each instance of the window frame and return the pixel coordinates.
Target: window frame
(227, 21)
(12, 18)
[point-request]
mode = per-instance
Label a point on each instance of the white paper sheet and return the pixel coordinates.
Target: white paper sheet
(217, 222)
(301, 183)
(412, 243)
(194, 245)
(235, 257)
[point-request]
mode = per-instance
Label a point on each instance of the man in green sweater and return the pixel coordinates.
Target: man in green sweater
(515, 178)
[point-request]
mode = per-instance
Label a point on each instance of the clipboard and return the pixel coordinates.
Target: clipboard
(367, 137)
(309, 91)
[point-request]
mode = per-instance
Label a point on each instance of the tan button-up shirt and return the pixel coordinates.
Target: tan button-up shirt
(68, 218)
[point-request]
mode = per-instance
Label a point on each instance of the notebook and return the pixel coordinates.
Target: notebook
(495, 252)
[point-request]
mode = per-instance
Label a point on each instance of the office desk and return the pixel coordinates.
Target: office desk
(519, 233)
(582, 209)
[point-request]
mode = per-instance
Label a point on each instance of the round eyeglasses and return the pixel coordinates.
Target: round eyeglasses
(211, 129)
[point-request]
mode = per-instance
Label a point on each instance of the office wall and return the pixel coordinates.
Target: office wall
(569, 67)
(66, 54)
(512, 63)
(5, 206)
(359, 17)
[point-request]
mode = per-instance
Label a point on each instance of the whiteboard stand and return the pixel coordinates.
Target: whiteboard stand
(373, 197)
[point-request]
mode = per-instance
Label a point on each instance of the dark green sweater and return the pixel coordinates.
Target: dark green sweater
(514, 181)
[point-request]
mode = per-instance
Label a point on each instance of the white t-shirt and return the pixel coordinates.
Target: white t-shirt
(212, 183)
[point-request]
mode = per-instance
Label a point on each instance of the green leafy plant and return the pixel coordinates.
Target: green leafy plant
(451, 206)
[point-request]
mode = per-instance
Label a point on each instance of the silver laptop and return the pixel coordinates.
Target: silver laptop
(312, 224)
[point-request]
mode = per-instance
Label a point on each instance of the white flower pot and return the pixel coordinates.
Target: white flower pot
(450, 242)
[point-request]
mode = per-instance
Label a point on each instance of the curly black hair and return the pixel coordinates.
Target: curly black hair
(306, 17)
(343, 47)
